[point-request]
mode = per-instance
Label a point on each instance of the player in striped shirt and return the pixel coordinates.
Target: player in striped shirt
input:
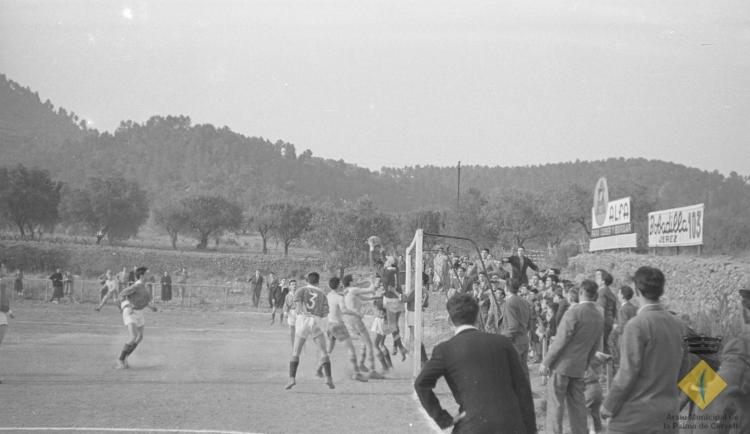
(135, 298)
(311, 306)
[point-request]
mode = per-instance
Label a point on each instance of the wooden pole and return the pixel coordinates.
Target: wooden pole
(458, 189)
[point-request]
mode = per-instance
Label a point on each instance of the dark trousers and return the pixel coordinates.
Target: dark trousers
(564, 391)
(256, 296)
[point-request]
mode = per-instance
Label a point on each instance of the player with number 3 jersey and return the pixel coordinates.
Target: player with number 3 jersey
(311, 306)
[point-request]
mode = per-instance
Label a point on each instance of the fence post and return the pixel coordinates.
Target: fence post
(46, 290)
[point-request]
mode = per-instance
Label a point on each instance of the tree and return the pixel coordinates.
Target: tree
(115, 206)
(209, 215)
(29, 199)
(262, 220)
(292, 221)
(76, 211)
(340, 232)
(516, 216)
(471, 220)
(174, 218)
(431, 221)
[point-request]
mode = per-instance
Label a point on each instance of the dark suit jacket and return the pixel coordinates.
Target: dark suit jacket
(577, 340)
(626, 313)
(257, 283)
(462, 286)
(608, 302)
(562, 307)
(516, 318)
(484, 374)
(518, 270)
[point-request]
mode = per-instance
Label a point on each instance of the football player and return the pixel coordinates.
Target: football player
(134, 298)
(311, 306)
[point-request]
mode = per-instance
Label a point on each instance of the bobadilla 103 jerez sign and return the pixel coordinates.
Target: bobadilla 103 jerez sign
(676, 227)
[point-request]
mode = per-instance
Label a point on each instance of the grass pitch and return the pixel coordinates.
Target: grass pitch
(195, 370)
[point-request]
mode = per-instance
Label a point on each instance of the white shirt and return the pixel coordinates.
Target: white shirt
(335, 303)
(461, 328)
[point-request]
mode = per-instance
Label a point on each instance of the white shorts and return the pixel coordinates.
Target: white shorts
(410, 318)
(382, 327)
(309, 326)
(355, 325)
(132, 316)
(291, 317)
(394, 305)
(3, 318)
(377, 326)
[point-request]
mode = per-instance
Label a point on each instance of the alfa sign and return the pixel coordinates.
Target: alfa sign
(611, 227)
(676, 227)
(616, 215)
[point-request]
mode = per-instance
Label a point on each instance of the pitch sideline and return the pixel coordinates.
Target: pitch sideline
(132, 430)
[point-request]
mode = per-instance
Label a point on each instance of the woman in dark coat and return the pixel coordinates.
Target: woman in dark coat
(166, 287)
(18, 283)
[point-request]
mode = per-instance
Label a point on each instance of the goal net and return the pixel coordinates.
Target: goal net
(429, 275)
(431, 324)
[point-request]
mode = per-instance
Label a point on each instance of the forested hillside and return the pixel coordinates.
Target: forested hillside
(171, 158)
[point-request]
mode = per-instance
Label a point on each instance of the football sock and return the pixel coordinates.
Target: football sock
(381, 359)
(132, 348)
(126, 349)
(353, 360)
(327, 367)
(293, 367)
(388, 359)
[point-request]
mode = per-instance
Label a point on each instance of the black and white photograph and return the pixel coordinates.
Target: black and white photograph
(375, 216)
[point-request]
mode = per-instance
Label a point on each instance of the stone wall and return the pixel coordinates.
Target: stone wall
(91, 261)
(704, 288)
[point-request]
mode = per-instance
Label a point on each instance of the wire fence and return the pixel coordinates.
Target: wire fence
(230, 295)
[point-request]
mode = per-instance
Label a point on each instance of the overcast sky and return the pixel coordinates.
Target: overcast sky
(395, 83)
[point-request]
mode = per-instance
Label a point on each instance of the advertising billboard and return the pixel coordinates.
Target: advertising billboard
(676, 227)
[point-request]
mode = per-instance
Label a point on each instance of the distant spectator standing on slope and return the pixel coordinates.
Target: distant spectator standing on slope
(166, 287)
(441, 266)
(18, 283)
(182, 280)
(256, 285)
(57, 286)
(626, 313)
(519, 264)
(607, 300)
(69, 287)
(271, 284)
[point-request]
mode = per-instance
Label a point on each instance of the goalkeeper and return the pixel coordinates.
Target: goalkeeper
(135, 298)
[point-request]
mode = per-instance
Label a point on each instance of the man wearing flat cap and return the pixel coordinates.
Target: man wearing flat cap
(731, 409)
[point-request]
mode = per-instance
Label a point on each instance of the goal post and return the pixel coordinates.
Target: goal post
(413, 282)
